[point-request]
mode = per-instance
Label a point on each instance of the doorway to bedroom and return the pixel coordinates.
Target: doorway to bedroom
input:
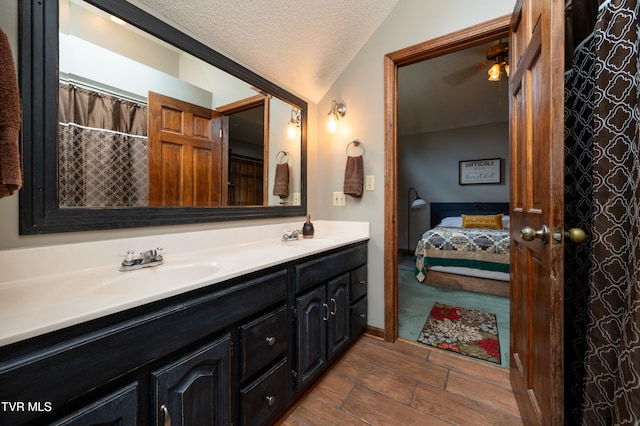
(447, 113)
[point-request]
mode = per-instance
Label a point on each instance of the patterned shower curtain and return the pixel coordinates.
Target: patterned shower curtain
(102, 149)
(602, 190)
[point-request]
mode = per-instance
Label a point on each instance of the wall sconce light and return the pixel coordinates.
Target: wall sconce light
(294, 124)
(336, 112)
(418, 203)
(499, 53)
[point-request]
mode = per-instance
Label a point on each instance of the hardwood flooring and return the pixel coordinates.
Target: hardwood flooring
(405, 383)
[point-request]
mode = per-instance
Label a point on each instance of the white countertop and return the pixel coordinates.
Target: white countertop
(44, 289)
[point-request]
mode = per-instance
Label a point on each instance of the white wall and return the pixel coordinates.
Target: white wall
(360, 87)
(429, 163)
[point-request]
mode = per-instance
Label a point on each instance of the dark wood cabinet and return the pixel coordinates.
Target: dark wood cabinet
(117, 408)
(324, 287)
(235, 352)
(196, 389)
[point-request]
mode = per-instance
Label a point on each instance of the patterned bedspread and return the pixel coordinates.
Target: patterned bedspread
(477, 248)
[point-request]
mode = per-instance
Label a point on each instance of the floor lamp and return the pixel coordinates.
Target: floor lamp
(418, 203)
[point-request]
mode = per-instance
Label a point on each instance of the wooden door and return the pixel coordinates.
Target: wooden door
(185, 153)
(537, 201)
(195, 390)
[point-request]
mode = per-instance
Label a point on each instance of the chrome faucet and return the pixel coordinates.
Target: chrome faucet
(291, 235)
(144, 260)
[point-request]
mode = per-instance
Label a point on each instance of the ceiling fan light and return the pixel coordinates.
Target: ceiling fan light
(494, 72)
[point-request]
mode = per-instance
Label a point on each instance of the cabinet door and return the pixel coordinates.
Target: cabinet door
(195, 390)
(312, 313)
(118, 408)
(338, 330)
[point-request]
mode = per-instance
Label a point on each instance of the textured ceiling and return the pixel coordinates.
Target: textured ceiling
(301, 44)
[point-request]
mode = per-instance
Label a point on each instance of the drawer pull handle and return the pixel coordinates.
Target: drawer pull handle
(326, 307)
(335, 306)
(363, 282)
(271, 341)
(270, 400)
(165, 413)
(362, 316)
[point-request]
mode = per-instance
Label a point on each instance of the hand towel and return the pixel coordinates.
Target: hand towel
(354, 176)
(281, 181)
(10, 122)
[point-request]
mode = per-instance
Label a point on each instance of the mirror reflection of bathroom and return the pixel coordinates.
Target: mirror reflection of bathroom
(141, 157)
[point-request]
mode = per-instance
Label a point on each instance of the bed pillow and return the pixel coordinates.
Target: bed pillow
(482, 221)
(452, 222)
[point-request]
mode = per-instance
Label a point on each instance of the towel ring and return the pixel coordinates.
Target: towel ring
(357, 143)
(285, 156)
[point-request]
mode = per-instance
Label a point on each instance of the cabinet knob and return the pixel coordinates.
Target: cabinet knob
(270, 400)
(362, 316)
(165, 413)
(271, 340)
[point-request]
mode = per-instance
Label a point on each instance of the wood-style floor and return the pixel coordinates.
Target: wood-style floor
(404, 383)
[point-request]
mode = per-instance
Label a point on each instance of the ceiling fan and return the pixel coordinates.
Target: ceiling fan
(498, 55)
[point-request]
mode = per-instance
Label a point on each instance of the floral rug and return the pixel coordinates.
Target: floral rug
(465, 331)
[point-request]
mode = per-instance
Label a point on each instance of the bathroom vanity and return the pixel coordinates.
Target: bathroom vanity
(236, 347)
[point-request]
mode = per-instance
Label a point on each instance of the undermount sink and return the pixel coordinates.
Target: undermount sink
(157, 277)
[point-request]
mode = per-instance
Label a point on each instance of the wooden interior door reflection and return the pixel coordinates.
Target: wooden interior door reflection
(184, 152)
(537, 201)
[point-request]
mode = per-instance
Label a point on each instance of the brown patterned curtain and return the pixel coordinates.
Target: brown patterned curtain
(102, 149)
(602, 187)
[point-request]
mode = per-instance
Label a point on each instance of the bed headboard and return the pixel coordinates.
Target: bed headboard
(442, 210)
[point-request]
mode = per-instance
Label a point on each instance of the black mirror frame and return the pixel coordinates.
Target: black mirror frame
(38, 75)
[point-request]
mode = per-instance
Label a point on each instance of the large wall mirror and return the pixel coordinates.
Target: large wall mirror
(129, 122)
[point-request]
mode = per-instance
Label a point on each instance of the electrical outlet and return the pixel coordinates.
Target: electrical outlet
(296, 198)
(339, 199)
(370, 184)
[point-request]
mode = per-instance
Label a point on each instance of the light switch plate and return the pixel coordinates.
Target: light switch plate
(369, 184)
(296, 198)
(339, 199)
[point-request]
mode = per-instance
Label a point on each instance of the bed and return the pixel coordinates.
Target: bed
(473, 257)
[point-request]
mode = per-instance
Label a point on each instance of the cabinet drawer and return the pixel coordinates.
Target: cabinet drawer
(317, 271)
(358, 283)
(358, 317)
(262, 341)
(265, 397)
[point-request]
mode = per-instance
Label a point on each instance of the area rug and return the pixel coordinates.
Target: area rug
(465, 331)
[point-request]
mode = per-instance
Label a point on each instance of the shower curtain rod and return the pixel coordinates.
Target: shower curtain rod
(102, 90)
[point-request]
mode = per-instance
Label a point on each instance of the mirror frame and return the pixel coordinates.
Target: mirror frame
(38, 75)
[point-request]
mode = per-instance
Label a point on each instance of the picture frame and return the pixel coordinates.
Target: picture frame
(484, 171)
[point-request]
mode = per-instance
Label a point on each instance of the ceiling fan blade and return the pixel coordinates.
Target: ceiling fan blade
(458, 77)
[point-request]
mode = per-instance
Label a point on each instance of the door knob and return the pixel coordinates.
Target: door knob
(575, 235)
(529, 234)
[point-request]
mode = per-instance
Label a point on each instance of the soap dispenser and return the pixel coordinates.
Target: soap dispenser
(307, 228)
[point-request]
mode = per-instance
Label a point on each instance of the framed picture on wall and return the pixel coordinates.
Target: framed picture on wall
(480, 172)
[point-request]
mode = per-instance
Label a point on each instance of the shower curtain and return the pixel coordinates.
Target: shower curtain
(102, 149)
(602, 190)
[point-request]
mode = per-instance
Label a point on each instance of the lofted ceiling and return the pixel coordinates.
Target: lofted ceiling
(301, 44)
(450, 91)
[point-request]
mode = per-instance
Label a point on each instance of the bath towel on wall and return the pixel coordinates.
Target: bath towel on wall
(354, 176)
(10, 122)
(281, 181)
